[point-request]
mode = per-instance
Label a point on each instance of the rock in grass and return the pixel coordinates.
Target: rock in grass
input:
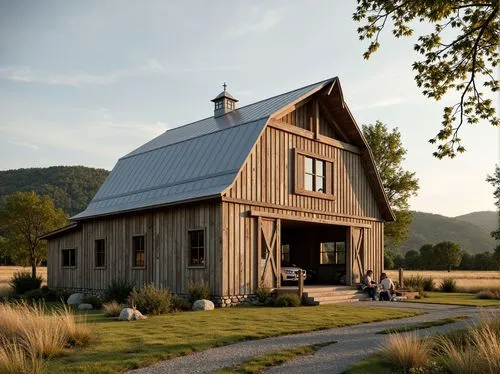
(203, 305)
(85, 306)
(129, 314)
(75, 299)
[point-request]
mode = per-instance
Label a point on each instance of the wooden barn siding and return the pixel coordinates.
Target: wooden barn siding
(55, 272)
(268, 174)
(239, 275)
(301, 117)
(166, 256)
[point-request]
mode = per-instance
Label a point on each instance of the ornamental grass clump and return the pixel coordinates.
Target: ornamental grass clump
(287, 300)
(15, 359)
(22, 282)
(489, 294)
(38, 333)
(112, 309)
(406, 351)
(118, 290)
(448, 285)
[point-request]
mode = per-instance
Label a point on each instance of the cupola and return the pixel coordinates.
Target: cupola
(224, 103)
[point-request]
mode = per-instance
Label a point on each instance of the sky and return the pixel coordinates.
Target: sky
(84, 83)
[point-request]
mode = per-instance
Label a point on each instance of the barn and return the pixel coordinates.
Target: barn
(231, 199)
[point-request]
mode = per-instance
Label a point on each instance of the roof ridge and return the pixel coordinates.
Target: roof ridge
(255, 102)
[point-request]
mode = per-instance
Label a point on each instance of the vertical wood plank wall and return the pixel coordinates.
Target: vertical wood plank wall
(166, 255)
(266, 183)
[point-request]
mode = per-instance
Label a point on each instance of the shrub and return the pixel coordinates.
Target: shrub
(287, 300)
(198, 291)
(22, 282)
(151, 300)
(43, 293)
(112, 309)
(489, 294)
(263, 295)
(448, 285)
(178, 303)
(419, 283)
(95, 301)
(118, 290)
(406, 351)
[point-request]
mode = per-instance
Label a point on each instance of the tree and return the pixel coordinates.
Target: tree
(399, 184)
(412, 259)
(24, 218)
(459, 54)
(427, 256)
(448, 254)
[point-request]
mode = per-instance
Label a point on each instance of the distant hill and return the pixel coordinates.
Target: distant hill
(71, 187)
(487, 220)
(430, 228)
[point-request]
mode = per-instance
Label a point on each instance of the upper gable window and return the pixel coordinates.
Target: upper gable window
(313, 175)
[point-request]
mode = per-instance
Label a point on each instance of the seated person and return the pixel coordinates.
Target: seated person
(369, 285)
(387, 287)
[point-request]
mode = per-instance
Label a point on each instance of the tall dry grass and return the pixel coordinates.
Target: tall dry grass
(29, 334)
(406, 351)
(478, 353)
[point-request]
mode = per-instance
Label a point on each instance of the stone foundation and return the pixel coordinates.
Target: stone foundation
(229, 301)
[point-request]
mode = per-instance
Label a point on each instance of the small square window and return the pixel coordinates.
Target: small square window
(69, 257)
(314, 174)
(138, 251)
(332, 253)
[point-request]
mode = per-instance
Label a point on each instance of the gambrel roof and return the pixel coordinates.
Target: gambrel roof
(196, 161)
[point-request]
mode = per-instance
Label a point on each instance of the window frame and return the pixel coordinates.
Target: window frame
(70, 266)
(96, 266)
(335, 252)
(191, 265)
(134, 256)
(299, 157)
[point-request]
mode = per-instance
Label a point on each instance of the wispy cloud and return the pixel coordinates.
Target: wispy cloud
(28, 75)
(264, 23)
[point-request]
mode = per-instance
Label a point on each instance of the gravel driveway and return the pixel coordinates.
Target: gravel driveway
(354, 343)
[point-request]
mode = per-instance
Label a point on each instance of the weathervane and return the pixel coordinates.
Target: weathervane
(224, 85)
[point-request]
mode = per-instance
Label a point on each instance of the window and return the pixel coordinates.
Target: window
(197, 248)
(218, 104)
(138, 251)
(285, 253)
(332, 253)
(69, 257)
(314, 174)
(99, 253)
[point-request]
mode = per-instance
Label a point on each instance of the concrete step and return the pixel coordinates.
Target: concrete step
(330, 293)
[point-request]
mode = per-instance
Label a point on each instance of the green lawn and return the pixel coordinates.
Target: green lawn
(119, 346)
(375, 364)
(468, 299)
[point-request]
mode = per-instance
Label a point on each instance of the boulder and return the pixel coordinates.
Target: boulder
(129, 314)
(85, 306)
(138, 315)
(203, 305)
(75, 299)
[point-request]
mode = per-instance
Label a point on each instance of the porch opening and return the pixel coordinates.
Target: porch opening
(318, 249)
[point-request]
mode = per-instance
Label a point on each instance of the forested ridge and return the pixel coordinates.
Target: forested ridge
(71, 187)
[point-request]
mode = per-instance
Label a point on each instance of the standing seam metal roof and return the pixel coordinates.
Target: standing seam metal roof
(195, 161)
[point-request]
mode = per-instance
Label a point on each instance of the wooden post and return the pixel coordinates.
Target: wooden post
(301, 283)
(401, 285)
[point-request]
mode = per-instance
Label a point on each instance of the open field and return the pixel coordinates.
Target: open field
(467, 281)
(6, 273)
(119, 346)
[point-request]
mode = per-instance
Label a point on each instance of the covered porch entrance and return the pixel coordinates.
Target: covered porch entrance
(331, 254)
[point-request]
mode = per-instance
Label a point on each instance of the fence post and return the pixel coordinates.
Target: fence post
(301, 283)
(401, 285)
